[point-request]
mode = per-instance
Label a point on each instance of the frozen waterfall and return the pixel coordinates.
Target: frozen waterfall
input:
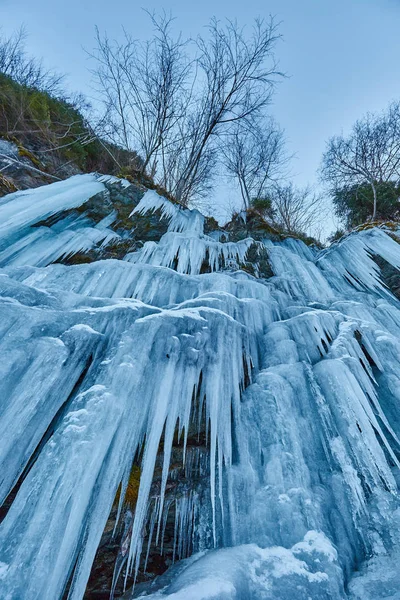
(289, 387)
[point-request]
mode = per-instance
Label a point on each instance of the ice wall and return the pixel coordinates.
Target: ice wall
(294, 381)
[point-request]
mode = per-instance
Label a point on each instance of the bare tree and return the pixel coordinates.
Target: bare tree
(27, 71)
(371, 153)
(142, 88)
(254, 156)
(297, 210)
(176, 157)
(173, 109)
(11, 49)
(236, 81)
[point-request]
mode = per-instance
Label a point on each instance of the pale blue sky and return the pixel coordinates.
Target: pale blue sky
(342, 56)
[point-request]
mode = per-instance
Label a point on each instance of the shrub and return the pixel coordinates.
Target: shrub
(354, 204)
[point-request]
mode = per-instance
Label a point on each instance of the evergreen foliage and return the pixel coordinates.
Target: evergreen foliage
(354, 204)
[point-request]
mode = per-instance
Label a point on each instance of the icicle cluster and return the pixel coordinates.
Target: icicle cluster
(180, 218)
(184, 247)
(294, 382)
(25, 241)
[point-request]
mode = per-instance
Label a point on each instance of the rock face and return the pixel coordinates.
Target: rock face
(22, 168)
(208, 414)
(390, 276)
(183, 483)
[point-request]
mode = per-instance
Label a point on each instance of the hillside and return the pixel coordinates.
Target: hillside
(181, 393)
(45, 138)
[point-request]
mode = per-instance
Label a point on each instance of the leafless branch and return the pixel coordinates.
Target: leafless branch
(255, 156)
(297, 210)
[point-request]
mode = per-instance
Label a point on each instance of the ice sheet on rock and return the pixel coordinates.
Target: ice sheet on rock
(219, 235)
(112, 179)
(43, 245)
(298, 277)
(358, 425)
(22, 209)
(273, 471)
(349, 262)
(186, 253)
(24, 241)
(300, 248)
(181, 219)
(327, 460)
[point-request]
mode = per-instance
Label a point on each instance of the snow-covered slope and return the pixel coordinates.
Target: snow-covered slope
(293, 381)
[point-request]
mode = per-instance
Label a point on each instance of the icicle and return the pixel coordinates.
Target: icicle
(293, 382)
(187, 252)
(180, 219)
(351, 260)
(28, 207)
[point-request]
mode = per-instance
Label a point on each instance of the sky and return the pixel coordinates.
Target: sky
(341, 57)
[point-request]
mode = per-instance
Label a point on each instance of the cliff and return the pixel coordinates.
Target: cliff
(210, 412)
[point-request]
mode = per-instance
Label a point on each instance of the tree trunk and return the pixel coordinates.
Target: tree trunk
(243, 193)
(374, 192)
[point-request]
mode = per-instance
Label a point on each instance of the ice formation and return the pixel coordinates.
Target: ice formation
(25, 239)
(180, 219)
(293, 382)
(184, 247)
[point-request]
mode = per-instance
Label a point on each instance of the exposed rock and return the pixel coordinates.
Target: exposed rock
(22, 168)
(389, 275)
